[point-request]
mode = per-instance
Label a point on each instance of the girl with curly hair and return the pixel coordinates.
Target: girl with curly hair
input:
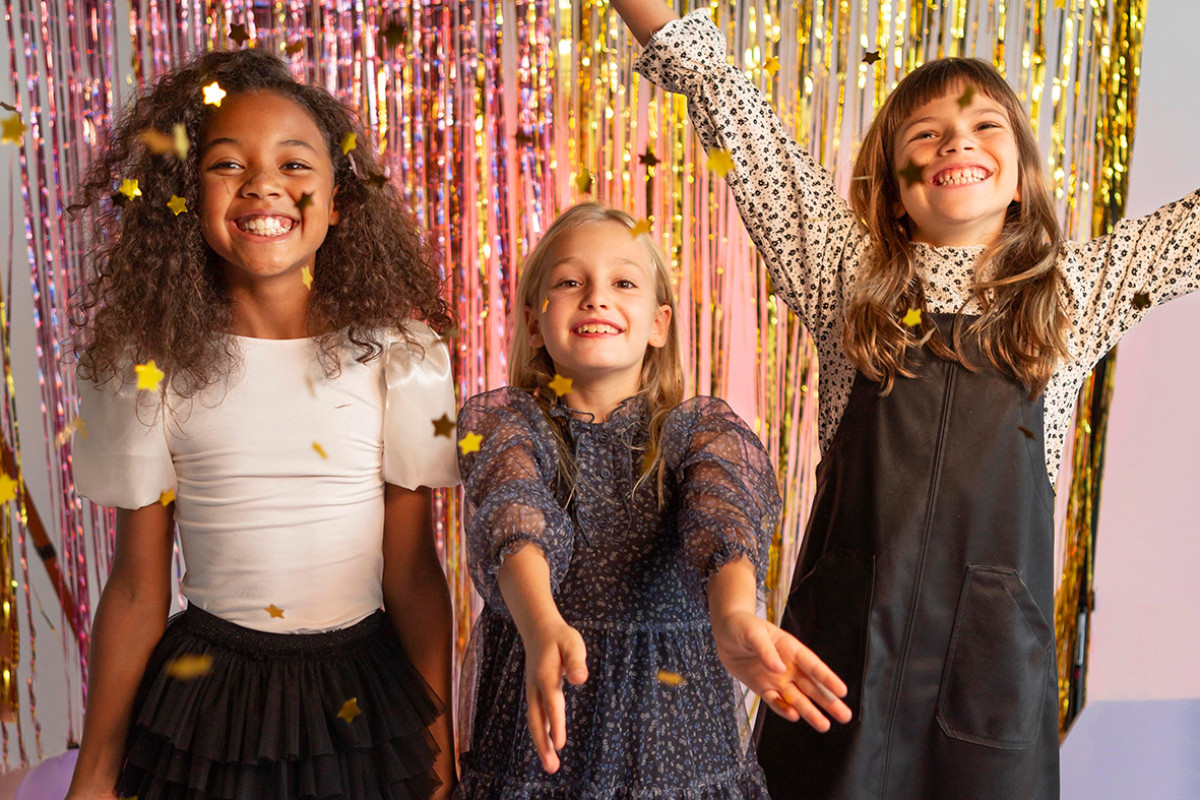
(259, 365)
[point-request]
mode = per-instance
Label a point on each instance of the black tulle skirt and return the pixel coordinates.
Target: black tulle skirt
(228, 712)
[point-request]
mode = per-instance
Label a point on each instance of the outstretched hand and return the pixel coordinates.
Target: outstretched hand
(553, 653)
(789, 677)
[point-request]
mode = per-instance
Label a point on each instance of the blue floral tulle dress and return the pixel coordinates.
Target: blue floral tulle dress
(658, 716)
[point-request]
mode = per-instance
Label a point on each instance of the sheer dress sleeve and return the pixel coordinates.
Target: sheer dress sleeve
(507, 484)
(728, 498)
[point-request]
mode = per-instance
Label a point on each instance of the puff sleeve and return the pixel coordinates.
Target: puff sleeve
(507, 484)
(728, 498)
(420, 389)
(119, 453)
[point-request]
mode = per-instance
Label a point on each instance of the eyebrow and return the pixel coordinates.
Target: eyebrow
(237, 142)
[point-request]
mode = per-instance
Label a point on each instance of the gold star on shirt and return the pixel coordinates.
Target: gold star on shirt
(443, 426)
(320, 450)
(213, 94)
(167, 497)
(669, 678)
(274, 611)
(129, 188)
(13, 129)
(349, 142)
(560, 385)
(149, 376)
(913, 318)
(349, 710)
(8, 488)
(720, 162)
(1141, 301)
(470, 443)
(177, 204)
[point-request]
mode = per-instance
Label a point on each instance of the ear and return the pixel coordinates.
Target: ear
(661, 326)
(1017, 193)
(898, 210)
(334, 214)
(536, 340)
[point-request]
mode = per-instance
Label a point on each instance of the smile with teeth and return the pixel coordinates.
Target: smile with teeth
(960, 175)
(596, 327)
(265, 226)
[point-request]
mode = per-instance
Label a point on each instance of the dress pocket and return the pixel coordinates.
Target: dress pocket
(1000, 664)
(828, 611)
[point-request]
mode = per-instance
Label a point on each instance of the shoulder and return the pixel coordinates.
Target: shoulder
(508, 402)
(697, 410)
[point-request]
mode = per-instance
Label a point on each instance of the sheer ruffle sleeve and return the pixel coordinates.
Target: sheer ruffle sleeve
(420, 390)
(507, 483)
(119, 450)
(728, 498)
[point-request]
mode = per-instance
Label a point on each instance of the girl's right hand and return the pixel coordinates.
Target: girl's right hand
(555, 651)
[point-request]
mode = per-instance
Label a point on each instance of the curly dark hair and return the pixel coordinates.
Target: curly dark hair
(155, 290)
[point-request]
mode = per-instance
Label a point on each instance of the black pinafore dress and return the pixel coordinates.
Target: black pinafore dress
(926, 582)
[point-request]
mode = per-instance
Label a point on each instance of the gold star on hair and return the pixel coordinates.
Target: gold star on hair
(648, 158)
(8, 488)
(913, 318)
(238, 33)
(320, 450)
(274, 611)
(186, 668)
(393, 34)
(306, 276)
(771, 65)
(349, 710)
(14, 129)
(443, 426)
(720, 162)
(545, 304)
(870, 57)
(305, 201)
(912, 173)
(560, 385)
(213, 94)
(166, 498)
(642, 227)
(149, 376)
(129, 188)
(1141, 301)
(349, 142)
(669, 678)
(583, 182)
(177, 204)
(156, 141)
(377, 179)
(967, 96)
(181, 140)
(470, 443)
(294, 47)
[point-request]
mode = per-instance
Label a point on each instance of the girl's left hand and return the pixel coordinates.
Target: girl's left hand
(776, 666)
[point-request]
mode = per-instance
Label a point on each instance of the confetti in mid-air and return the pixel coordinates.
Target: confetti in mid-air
(913, 318)
(166, 498)
(640, 229)
(320, 450)
(1028, 433)
(274, 611)
(213, 94)
(870, 57)
(186, 668)
(545, 304)
(70, 429)
(1141, 301)
(377, 179)
(720, 162)
(13, 129)
(294, 47)
(561, 385)
(443, 426)
(349, 142)
(771, 65)
(349, 710)
(306, 276)
(967, 96)
(177, 204)
(648, 158)
(238, 33)
(470, 443)
(305, 201)
(149, 376)
(130, 188)
(157, 142)
(583, 181)
(669, 678)
(8, 488)
(182, 145)
(393, 34)
(912, 173)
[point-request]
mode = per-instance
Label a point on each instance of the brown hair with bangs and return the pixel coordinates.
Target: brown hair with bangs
(1022, 329)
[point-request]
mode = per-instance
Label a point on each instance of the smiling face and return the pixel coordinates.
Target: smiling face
(968, 169)
(262, 155)
(597, 310)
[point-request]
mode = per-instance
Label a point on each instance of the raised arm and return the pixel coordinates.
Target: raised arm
(644, 17)
(130, 619)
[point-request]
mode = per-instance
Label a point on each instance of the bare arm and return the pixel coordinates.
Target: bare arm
(418, 601)
(130, 619)
(644, 17)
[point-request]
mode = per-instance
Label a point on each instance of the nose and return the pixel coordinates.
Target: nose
(957, 141)
(595, 297)
(260, 183)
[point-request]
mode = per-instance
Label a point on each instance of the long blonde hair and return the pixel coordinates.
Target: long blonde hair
(532, 369)
(1023, 327)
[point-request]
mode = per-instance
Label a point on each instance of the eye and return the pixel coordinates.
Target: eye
(624, 283)
(295, 165)
(988, 125)
(224, 163)
(922, 135)
(567, 283)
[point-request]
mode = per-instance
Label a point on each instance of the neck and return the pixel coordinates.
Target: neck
(269, 312)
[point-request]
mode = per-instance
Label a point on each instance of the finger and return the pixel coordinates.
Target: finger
(760, 640)
(574, 656)
(805, 708)
(807, 663)
(822, 696)
(557, 712)
(538, 728)
(776, 703)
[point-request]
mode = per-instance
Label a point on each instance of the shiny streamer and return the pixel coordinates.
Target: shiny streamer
(494, 116)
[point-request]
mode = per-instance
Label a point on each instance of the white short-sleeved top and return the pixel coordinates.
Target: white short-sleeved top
(278, 473)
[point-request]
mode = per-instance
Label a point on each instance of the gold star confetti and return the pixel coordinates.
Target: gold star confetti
(166, 498)
(349, 710)
(320, 450)
(443, 426)
(377, 179)
(149, 376)
(665, 676)
(186, 668)
(70, 428)
(156, 141)
(912, 173)
(720, 162)
(349, 142)
(641, 228)
(450, 335)
(1141, 301)
(913, 318)
(129, 188)
(306, 276)
(8, 488)
(7, 106)
(648, 158)
(305, 201)
(583, 182)
(213, 94)
(294, 47)
(1028, 433)
(393, 34)
(560, 385)
(182, 145)
(870, 57)
(545, 304)
(771, 65)
(274, 611)
(177, 204)
(238, 33)
(470, 443)
(14, 129)
(967, 96)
